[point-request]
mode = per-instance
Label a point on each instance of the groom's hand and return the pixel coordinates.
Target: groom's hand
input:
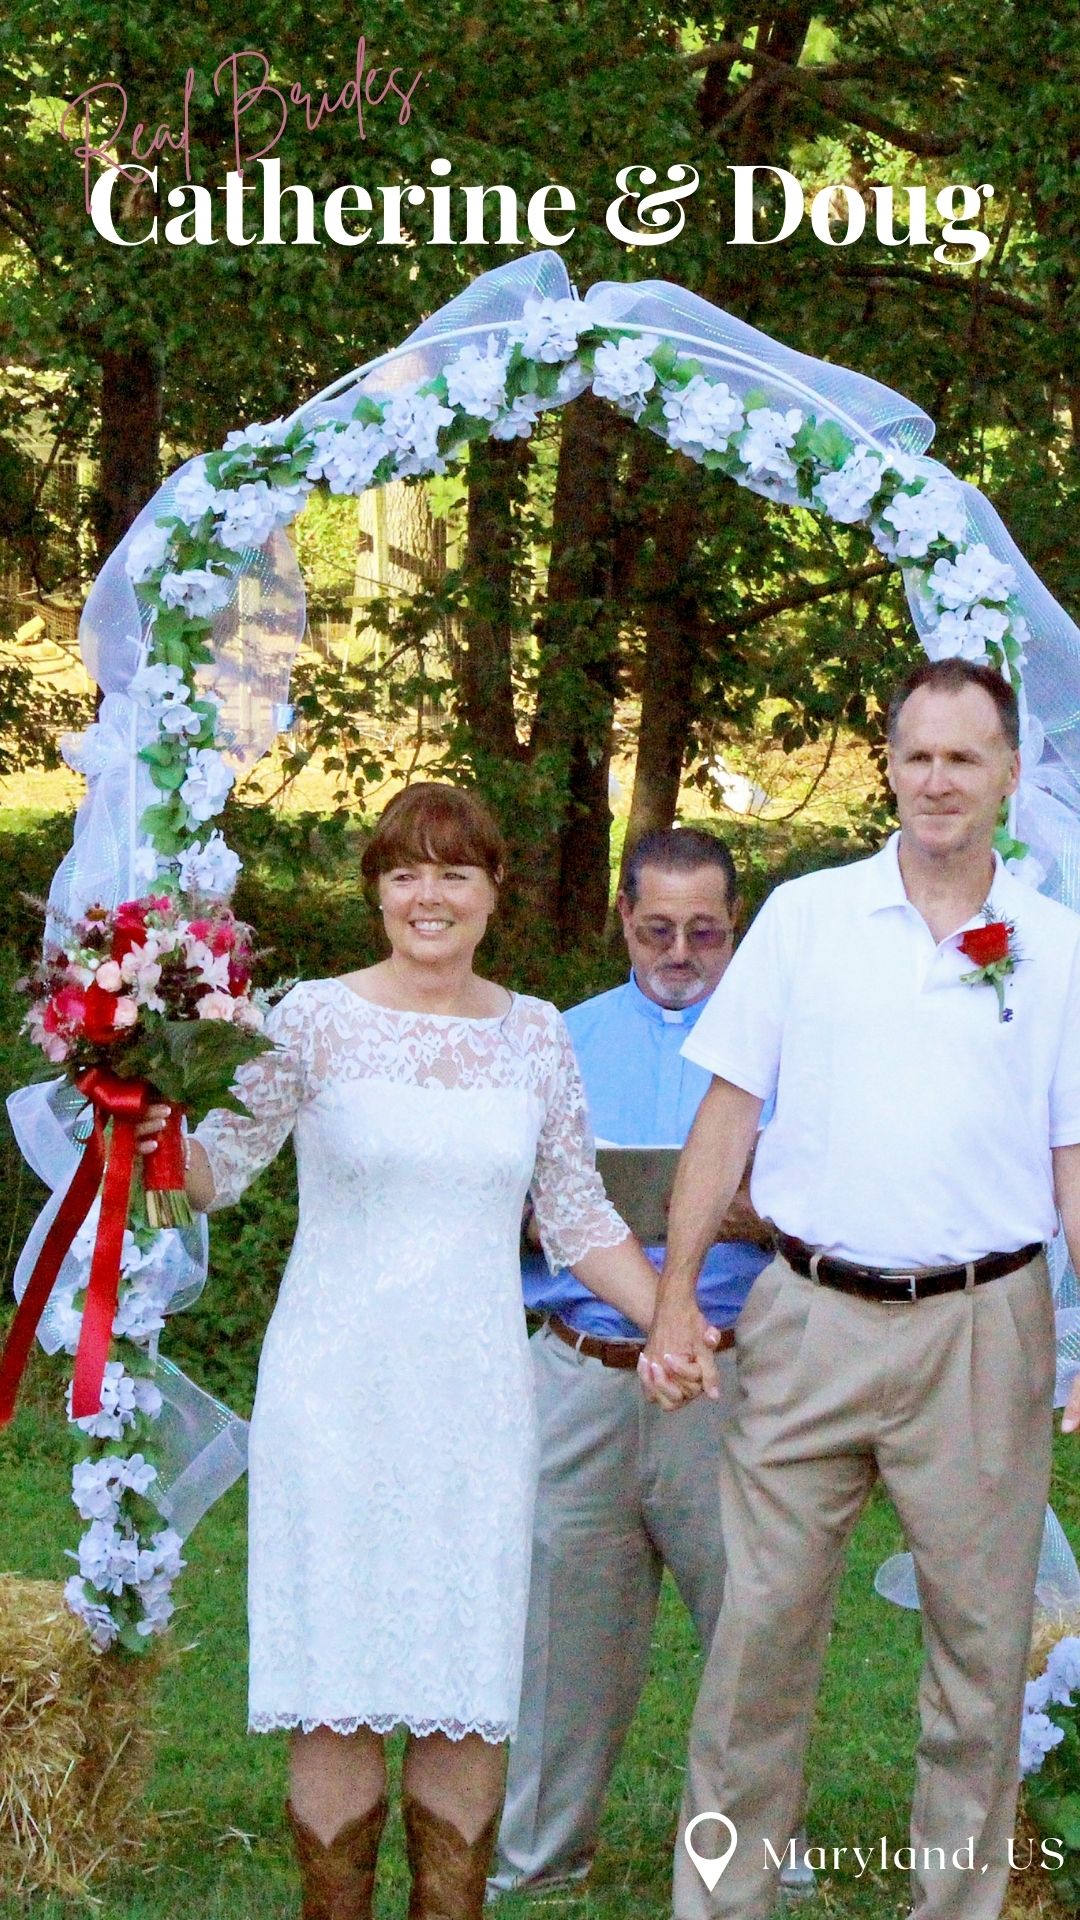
(677, 1358)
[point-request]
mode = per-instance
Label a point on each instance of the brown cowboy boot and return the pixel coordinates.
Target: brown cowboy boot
(338, 1878)
(449, 1873)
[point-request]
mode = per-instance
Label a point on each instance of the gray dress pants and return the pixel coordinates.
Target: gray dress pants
(624, 1490)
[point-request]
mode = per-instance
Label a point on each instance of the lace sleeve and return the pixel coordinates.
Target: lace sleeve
(273, 1088)
(573, 1213)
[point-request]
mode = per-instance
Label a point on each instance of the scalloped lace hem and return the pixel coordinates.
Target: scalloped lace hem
(495, 1732)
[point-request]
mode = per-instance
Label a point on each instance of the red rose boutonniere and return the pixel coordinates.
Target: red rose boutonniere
(993, 949)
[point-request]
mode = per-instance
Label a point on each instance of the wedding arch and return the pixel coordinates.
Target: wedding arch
(191, 629)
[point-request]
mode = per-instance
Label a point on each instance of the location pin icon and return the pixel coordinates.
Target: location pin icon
(710, 1866)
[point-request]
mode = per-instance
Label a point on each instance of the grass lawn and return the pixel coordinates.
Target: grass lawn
(220, 1853)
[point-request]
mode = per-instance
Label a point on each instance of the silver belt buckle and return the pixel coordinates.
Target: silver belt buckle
(911, 1281)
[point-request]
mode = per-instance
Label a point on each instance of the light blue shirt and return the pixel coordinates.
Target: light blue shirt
(641, 1092)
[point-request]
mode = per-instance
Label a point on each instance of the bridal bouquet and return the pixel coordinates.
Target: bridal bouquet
(157, 999)
(146, 1002)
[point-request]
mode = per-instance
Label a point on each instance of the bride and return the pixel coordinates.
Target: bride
(392, 1441)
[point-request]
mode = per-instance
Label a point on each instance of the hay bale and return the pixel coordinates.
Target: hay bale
(1049, 1629)
(75, 1744)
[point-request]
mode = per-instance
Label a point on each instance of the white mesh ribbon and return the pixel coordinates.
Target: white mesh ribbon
(255, 639)
(200, 1449)
(488, 306)
(749, 361)
(200, 1446)
(44, 1118)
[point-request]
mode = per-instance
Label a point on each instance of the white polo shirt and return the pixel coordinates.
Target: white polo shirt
(912, 1127)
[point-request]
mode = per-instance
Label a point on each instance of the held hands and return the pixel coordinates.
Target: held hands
(678, 1362)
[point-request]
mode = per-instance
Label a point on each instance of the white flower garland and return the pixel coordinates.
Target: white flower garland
(183, 571)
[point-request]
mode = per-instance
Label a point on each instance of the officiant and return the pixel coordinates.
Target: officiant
(623, 1490)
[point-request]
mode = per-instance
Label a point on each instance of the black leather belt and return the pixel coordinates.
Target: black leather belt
(893, 1285)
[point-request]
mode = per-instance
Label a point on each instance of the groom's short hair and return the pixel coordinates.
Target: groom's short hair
(952, 676)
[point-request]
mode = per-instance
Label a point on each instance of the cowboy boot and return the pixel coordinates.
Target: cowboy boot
(449, 1873)
(338, 1878)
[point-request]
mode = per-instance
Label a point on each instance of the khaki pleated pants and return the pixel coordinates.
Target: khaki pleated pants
(949, 1402)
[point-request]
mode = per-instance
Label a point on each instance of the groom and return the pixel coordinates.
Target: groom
(917, 1017)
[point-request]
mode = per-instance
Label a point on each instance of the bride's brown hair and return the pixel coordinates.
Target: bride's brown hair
(432, 821)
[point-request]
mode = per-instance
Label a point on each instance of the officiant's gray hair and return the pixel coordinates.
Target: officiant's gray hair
(678, 849)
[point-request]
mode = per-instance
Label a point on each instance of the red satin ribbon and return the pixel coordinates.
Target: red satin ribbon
(123, 1102)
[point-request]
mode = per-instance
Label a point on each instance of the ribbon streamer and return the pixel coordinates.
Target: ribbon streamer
(122, 1102)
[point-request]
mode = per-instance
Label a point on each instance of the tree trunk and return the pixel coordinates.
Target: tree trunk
(671, 645)
(131, 391)
(496, 478)
(567, 872)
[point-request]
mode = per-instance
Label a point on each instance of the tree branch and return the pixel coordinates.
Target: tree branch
(809, 81)
(941, 283)
(788, 602)
(732, 50)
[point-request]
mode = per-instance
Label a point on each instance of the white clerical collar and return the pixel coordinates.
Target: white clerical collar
(665, 1016)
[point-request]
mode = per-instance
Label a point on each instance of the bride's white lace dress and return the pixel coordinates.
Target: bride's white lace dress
(392, 1443)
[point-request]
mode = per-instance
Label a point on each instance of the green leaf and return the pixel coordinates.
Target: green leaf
(163, 816)
(683, 372)
(1058, 1815)
(652, 414)
(826, 443)
(173, 652)
(665, 359)
(168, 778)
(193, 1062)
(132, 1641)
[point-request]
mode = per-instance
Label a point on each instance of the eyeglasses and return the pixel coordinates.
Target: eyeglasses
(659, 935)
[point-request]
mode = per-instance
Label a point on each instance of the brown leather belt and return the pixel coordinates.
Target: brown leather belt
(616, 1353)
(894, 1285)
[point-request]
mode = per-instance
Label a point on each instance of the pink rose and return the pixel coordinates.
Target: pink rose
(215, 1006)
(125, 1012)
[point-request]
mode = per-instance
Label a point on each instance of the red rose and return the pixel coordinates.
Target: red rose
(65, 1011)
(239, 973)
(129, 927)
(986, 945)
(98, 1019)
